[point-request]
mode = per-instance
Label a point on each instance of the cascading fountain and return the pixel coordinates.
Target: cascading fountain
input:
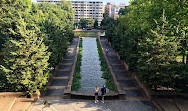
(90, 69)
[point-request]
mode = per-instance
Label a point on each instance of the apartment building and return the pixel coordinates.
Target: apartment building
(50, 1)
(111, 9)
(88, 9)
(84, 9)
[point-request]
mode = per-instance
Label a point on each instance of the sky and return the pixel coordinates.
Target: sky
(105, 1)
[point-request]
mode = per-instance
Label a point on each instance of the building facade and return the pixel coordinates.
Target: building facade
(111, 9)
(84, 9)
(88, 9)
(50, 1)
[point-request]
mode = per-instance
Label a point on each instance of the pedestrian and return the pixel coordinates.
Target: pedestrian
(103, 92)
(96, 91)
(107, 50)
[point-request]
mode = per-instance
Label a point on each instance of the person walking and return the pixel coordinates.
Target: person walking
(103, 92)
(107, 50)
(96, 91)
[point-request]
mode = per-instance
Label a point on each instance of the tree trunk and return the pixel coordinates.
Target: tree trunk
(187, 59)
(183, 59)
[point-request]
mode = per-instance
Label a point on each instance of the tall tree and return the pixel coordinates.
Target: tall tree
(26, 60)
(96, 24)
(90, 22)
(83, 22)
(10, 11)
(123, 11)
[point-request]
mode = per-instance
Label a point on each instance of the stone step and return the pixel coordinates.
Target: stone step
(60, 79)
(65, 68)
(127, 83)
(65, 77)
(56, 87)
(131, 88)
(118, 67)
(59, 82)
(115, 63)
(62, 73)
(113, 60)
(71, 52)
(126, 78)
(112, 55)
(67, 62)
(122, 74)
(71, 63)
(68, 57)
(72, 46)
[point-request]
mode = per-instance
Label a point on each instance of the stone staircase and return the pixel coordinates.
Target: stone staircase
(60, 78)
(127, 83)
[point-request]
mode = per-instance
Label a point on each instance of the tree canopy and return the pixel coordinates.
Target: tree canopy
(33, 39)
(149, 36)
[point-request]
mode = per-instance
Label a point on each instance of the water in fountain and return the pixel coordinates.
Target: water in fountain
(90, 69)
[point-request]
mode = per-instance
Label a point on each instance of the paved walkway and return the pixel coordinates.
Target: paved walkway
(89, 105)
(60, 79)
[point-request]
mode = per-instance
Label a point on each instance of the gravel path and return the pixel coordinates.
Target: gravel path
(90, 69)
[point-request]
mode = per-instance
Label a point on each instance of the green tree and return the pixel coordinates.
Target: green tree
(122, 11)
(9, 12)
(106, 21)
(160, 50)
(96, 24)
(57, 24)
(90, 22)
(26, 60)
(149, 43)
(83, 22)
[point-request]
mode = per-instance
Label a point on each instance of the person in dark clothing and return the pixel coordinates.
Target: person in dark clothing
(103, 92)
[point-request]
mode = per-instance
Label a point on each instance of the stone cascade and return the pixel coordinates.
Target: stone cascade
(90, 69)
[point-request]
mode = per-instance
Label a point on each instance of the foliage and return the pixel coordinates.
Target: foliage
(149, 36)
(107, 21)
(26, 60)
(83, 22)
(57, 24)
(106, 74)
(90, 22)
(77, 76)
(96, 24)
(122, 11)
(50, 24)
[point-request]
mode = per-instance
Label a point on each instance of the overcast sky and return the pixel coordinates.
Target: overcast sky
(105, 1)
